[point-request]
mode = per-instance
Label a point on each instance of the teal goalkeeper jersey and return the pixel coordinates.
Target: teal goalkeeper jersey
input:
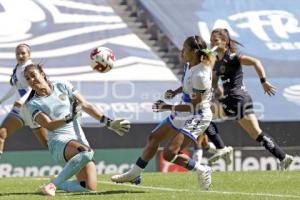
(56, 106)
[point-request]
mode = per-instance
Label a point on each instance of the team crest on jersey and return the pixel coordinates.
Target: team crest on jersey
(62, 97)
(222, 69)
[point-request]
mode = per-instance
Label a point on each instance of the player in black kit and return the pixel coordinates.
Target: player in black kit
(236, 102)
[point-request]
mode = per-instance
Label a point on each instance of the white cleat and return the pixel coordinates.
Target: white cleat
(225, 153)
(127, 177)
(48, 189)
(286, 162)
(204, 178)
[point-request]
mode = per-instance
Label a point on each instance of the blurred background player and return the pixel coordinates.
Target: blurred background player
(236, 102)
(187, 121)
(19, 116)
(55, 106)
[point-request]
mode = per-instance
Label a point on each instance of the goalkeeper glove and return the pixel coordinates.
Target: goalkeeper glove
(76, 112)
(119, 126)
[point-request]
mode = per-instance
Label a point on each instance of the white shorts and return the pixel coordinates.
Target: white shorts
(24, 116)
(189, 124)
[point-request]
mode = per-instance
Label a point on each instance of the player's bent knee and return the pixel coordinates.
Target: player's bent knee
(87, 156)
(169, 155)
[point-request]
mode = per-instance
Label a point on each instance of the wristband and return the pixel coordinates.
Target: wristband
(263, 80)
(105, 120)
(68, 118)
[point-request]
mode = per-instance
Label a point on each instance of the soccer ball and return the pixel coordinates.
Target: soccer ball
(102, 59)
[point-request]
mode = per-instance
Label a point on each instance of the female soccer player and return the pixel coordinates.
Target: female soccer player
(55, 107)
(187, 120)
(19, 116)
(236, 102)
(217, 146)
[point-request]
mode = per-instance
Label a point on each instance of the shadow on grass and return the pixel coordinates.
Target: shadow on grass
(18, 193)
(110, 192)
(72, 194)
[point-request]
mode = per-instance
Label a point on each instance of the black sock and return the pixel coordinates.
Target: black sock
(213, 135)
(270, 145)
(141, 163)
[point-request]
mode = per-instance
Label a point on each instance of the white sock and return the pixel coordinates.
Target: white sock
(135, 170)
(197, 155)
(200, 167)
(211, 148)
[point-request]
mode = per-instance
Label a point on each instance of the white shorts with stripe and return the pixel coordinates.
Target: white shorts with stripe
(189, 124)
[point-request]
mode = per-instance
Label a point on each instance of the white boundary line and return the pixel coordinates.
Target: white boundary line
(198, 191)
(212, 191)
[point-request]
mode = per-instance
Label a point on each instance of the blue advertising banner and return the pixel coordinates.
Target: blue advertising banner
(269, 31)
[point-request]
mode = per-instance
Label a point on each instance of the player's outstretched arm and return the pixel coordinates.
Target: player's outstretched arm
(51, 124)
(268, 88)
(119, 126)
(170, 94)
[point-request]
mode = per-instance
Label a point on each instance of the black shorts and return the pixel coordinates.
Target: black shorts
(237, 105)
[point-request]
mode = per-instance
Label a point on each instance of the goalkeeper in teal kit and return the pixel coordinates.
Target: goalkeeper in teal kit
(56, 107)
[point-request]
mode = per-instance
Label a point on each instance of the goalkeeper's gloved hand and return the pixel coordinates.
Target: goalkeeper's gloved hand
(120, 126)
(76, 112)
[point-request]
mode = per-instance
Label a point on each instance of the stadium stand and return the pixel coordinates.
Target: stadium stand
(139, 20)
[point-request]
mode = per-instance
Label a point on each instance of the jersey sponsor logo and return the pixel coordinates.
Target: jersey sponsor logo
(222, 69)
(62, 97)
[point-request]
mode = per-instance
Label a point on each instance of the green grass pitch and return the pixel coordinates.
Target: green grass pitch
(184, 186)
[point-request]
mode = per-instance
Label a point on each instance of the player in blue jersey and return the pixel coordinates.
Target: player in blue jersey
(55, 106)
(187, 120)
(19, 116)
(236, 102)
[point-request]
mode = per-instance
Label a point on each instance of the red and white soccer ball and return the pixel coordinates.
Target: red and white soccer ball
(102, 59)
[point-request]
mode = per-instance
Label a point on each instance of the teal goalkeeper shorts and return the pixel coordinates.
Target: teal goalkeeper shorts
(57, 148)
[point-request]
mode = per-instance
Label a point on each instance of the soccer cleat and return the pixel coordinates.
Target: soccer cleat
(48, 189)
(127, 177)
(224, 153)
(204, 178)
(286, 162)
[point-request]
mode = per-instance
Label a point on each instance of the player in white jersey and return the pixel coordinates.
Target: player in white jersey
(216, 146)
(19, 116)
(187, 120)
(55, 107)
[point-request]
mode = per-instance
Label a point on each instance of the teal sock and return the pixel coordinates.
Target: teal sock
(73, 166)
(72, 186)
